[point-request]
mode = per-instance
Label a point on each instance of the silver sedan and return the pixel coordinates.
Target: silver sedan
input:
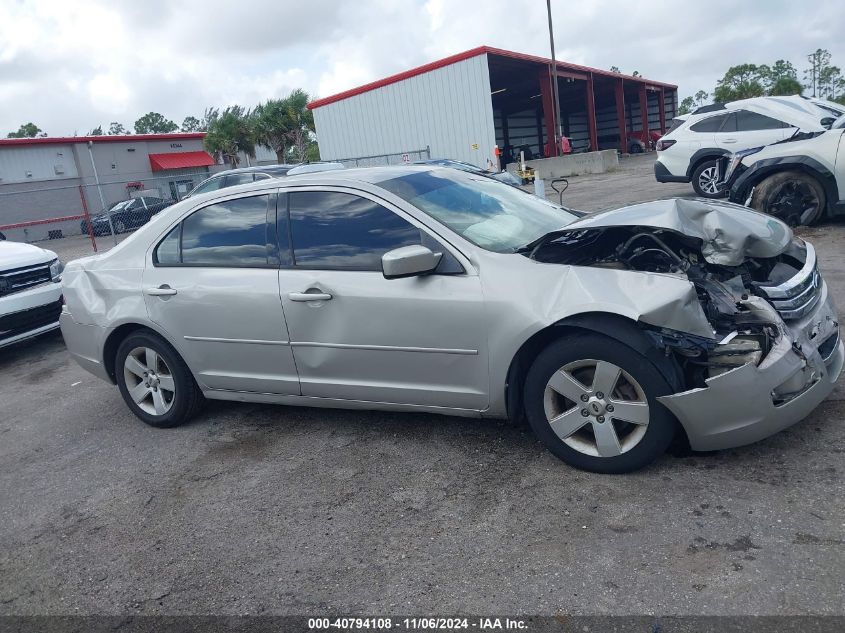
(429, 289)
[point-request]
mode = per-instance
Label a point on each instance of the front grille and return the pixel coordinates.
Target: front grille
(18, 279)
(28, 320)
(796, 297)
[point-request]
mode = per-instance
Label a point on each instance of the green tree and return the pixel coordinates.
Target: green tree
(636, 74)
(285, 124)
(786, 86)
(192, 124)
(687, 105)
(230, 132)
(781, 69)
(701, 98)
(154, 123)
(615, 69)
(831, 82)
(116, 128)
(819, 61)
(27, 130)
(97, 131)
(741, 82)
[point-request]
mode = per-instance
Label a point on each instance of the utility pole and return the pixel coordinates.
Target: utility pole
(100, 191)
(555, 143)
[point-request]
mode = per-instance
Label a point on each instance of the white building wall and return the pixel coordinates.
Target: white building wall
(36, 162)
(447, 109)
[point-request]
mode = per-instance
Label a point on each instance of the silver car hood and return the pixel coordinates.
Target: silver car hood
(729, 233)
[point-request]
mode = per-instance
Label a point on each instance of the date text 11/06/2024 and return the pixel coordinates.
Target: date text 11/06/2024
(417, 624)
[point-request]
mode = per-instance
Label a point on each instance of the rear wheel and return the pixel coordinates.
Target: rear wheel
(119, 226)
(155, 382)
(706, 179)
(791, 196)
(592, 402)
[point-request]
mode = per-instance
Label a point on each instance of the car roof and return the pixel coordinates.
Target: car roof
(792, 109)
(254, 168)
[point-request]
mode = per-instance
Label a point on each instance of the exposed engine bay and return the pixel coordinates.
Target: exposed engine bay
(739, 301)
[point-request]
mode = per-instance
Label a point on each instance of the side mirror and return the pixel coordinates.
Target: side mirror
(409, 261)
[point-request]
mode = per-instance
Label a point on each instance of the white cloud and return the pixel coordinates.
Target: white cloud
(74, 65)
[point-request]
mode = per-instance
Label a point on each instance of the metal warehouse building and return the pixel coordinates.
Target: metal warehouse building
(463, 106)
(46, 183)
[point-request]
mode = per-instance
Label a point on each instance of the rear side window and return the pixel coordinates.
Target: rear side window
(343, 231)
(750, 121)
(211, 185)
(226, 234)
(711, 124)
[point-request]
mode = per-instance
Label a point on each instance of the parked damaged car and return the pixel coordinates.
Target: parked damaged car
(430, 289)
(799, 180)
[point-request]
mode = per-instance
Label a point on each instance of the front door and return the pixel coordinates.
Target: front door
(358, 336)
(213, 287)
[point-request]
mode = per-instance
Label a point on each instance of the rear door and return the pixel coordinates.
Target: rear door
(743, 129)
(212, 285)
(358, 336)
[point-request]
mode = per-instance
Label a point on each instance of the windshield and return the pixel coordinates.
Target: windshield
(488, 213)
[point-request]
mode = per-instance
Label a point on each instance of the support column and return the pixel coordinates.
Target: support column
(591, 116)
(548, 112)
(620, 115)
(644, 113)
(661, 103)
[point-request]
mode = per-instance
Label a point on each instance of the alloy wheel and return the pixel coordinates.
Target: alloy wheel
(708, 180)
(149, 381)
(596, 408)
(795, 203)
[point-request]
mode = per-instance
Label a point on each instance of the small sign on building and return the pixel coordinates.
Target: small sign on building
(474, 146)
(406, 158)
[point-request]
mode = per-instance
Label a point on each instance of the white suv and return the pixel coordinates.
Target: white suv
(696, 151)
(30, 295)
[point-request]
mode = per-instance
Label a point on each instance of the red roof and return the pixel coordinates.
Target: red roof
(180, 160)
(474, 52)
(105, 138)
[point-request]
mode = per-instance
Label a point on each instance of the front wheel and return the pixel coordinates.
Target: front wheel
(592, 402)
(790, 196)
(706, 180)
(155, 382)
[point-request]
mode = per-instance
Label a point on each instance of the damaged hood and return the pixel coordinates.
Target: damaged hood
(729, 233)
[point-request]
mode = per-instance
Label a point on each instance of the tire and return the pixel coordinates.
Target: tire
(170, 394)
(704, 178)
(635, 148)
(119, 226)
(791, 196)
(637, 387)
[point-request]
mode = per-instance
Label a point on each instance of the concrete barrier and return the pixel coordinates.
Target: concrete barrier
(573, 164)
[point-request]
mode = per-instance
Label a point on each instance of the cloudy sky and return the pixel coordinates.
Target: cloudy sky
(69, 65)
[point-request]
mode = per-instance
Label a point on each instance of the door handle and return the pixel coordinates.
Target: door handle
(309, 296)
(162, 291)
(729, 140)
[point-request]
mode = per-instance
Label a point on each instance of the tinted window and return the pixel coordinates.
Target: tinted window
(749, 121)
(262, 176)
(711, 124)
(238, 179)
(167, 251)
(730, 123)
(340, 230)
(230, 233)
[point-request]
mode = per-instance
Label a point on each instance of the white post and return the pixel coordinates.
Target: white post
(539, 186)
(100, 191)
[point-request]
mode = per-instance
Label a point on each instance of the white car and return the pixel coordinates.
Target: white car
(799, 181)
(30, 292)
(696, 150)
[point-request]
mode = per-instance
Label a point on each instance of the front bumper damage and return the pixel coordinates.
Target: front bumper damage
(751, 402)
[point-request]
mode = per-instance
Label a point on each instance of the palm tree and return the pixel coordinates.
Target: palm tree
(230, 132)
(284, 124)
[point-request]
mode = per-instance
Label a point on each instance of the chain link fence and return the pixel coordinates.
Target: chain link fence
(75, 219)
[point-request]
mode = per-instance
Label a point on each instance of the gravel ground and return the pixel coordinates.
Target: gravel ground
(279, 510)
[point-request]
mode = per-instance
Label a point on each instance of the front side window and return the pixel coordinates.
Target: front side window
(343, 231)
(229, 233)
(208, 185)
(238, 179)
(751, 121)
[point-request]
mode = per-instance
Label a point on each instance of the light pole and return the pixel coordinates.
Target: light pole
(100, 191)
(555, 95)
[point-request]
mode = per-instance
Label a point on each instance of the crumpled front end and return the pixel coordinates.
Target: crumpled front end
(753, 401)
